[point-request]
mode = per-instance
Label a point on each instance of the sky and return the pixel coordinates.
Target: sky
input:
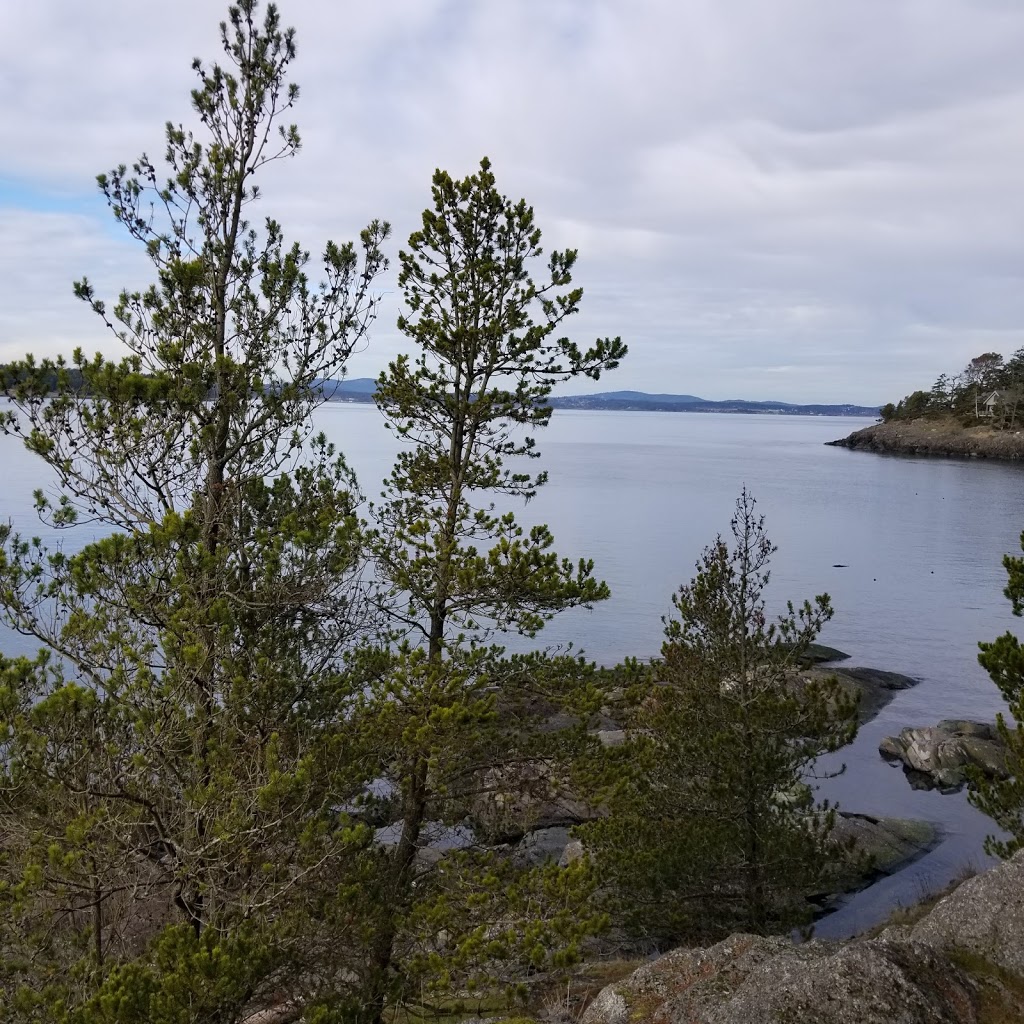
(797, 200)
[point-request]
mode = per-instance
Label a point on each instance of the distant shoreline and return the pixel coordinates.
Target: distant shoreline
(738, 408)
(742, 408)
(943, 438)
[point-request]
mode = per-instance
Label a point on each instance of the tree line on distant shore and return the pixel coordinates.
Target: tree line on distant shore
(989, 388)
(272, 756)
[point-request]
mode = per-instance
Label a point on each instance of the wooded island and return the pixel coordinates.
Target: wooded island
(977, 413)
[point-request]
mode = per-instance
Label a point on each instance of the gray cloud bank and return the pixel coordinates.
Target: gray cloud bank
(789, 199)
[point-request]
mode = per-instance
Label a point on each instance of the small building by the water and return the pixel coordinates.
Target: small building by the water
(995, 403)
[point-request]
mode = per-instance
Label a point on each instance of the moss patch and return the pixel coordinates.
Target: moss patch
(1001, 992)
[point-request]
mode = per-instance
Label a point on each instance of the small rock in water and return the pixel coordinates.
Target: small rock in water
(941, 755)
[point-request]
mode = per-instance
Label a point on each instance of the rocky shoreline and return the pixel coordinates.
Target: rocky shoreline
(944, 437)
(536, 826)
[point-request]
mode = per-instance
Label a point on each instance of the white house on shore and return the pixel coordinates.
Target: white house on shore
(996, 403)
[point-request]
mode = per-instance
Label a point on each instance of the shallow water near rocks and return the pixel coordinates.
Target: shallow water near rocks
(908, 548)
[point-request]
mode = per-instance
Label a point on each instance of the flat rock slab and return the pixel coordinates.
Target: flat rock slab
(892, 843)
(875, 687)
(889, 843)
(817, 654)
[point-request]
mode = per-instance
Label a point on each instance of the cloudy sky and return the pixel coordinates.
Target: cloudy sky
(807, 200)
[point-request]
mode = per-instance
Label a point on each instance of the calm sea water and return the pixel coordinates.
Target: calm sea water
(919, 541)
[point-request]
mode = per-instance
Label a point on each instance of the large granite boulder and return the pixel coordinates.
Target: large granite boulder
(984, 916)
(754, 980)
(547, 844)
(939, 756)
(961, 964)
(513, 802)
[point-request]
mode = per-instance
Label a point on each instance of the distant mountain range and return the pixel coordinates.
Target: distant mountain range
(361, 389)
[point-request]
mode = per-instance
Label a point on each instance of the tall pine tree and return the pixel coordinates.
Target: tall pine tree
(174, 760)
(454, 718)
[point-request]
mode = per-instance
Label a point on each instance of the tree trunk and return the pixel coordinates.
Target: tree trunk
(415, 812)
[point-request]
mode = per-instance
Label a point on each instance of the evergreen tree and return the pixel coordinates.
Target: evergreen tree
(174, 763)
(980, 376)
(1013, 384)
(452, 716)
(713, 828)
(1003, 659)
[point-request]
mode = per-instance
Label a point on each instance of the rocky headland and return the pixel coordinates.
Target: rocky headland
(943, 437)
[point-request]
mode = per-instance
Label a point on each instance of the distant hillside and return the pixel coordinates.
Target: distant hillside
(638, 401)
(361, 389)
(641, 398)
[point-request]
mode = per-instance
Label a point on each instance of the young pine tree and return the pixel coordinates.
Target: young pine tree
(173, 763)
(453, 718)
(1003, 659)
(714, 829)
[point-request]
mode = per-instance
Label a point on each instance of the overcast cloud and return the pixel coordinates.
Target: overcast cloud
(788, 199)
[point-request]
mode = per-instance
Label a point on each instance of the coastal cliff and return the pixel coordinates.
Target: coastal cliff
(943, 437)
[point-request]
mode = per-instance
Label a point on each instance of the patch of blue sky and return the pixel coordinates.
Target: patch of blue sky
(23, 195)
(18, 194)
